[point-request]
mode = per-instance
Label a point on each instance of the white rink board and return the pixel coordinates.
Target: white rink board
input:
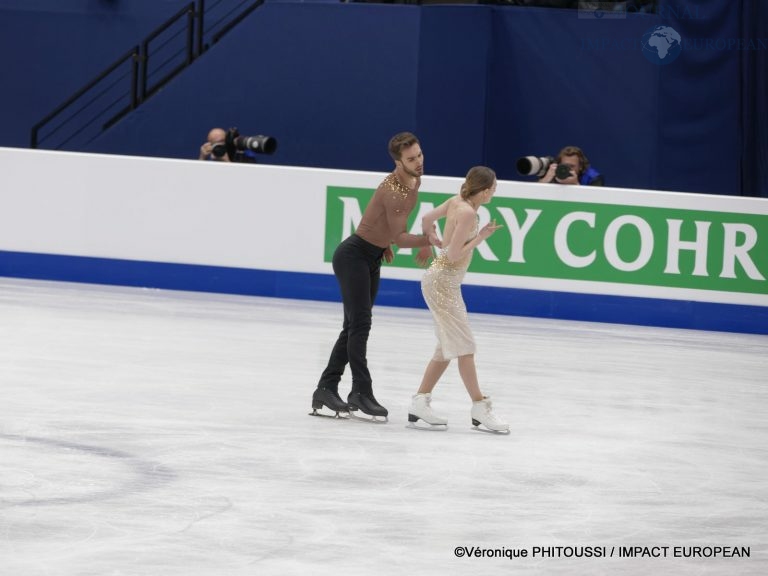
(257, 217)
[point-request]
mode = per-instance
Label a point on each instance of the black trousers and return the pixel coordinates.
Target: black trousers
(357, 266)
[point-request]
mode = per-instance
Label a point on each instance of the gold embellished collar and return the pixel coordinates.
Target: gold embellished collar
(396, 186)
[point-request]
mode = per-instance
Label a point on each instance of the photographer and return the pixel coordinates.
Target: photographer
(580, 172)
(218, 148)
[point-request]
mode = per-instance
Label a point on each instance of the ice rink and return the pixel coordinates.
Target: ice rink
(164, 433)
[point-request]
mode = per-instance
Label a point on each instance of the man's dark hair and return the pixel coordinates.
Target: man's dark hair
(400, 142)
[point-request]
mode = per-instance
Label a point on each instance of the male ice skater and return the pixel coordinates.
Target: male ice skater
(357, 266)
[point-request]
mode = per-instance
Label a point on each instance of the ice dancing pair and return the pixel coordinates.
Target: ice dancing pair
(356, 264)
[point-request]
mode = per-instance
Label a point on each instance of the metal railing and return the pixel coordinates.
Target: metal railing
(139, 74)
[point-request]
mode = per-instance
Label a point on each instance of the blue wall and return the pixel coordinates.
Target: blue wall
(699, 141)
(51, 48)
(479, 84)
(557, 80)
(754, 93)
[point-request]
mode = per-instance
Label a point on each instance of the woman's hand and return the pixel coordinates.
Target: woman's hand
(489, 229)
(434, 239)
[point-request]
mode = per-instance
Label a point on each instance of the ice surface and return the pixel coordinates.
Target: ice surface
(166, 433)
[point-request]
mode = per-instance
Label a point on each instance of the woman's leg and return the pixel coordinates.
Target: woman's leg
(435, 369)
(468, 374)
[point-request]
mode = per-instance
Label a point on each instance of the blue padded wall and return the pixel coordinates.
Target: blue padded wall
(754, 93)
(479, 84)
(699, 142)
(557, 80)
(451, 110)
(331, 82)
(51, 48)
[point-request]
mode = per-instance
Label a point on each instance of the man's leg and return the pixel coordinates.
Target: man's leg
(327, 392)
(337, 362)
(362, 287)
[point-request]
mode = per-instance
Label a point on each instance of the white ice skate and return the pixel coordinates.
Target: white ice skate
(420, 409)
(482, 415)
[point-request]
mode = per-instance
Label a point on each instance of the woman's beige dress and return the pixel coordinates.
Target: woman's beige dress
(441, 287)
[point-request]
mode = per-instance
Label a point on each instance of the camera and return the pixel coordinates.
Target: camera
(219, 150)
(563, 171)
(534, 165)
(235, 143)
(538, 166)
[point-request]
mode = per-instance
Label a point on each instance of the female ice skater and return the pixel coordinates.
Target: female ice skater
(441, 287)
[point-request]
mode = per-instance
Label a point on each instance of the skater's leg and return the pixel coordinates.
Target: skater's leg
(432, 374)
(359, 283)
(361, 290)
(353, 266)
(357, 290)
(468, 374)
(327, 391)
(337, 362)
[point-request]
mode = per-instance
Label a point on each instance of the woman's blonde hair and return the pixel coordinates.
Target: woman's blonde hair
(478, 178)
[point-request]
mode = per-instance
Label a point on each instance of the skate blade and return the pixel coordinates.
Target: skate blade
(489, 431)
(335, 416)
(368, 418)
(427, 427)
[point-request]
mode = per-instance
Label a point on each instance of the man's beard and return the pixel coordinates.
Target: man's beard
(412, 173)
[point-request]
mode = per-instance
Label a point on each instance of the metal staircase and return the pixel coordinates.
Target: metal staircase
(139, 74)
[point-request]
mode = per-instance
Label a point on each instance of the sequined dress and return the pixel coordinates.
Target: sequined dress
(441, 287)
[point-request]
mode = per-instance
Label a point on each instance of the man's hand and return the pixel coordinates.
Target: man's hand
(205, 151)
(389, 255)
(423, 255)
(550, 175)
(434, 240)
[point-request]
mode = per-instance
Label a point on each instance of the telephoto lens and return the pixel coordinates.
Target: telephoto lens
(260, 144)
(534, 165)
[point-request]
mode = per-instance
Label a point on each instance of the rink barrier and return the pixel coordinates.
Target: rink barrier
(597, 254)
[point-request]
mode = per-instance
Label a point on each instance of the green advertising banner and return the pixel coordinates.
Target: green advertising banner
(620, 244)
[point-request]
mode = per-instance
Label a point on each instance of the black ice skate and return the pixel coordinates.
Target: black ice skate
(331, 400)
(367, 404)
